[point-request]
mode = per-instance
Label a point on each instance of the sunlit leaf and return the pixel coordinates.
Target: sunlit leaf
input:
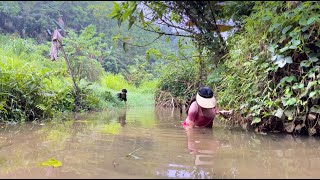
(279, 113)
(312, 93)
(256, 120)
(313, 59)
(290, 113)
(286, 29)
(296, 42)
(311, 20)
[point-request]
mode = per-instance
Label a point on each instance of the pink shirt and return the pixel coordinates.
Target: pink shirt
(202, 117)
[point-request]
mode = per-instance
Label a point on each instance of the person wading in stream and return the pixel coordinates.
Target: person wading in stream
(203, 109)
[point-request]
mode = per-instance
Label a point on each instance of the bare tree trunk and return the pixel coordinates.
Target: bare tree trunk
(76, 88)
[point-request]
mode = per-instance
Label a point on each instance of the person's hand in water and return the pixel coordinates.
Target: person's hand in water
(226, 114)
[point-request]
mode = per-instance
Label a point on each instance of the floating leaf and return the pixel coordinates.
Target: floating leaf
(51, 162)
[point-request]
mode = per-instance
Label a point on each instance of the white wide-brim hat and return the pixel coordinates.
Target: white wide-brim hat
(206, 102)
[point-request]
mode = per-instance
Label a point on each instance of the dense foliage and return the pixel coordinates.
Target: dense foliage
(271, 74)
(261, 58)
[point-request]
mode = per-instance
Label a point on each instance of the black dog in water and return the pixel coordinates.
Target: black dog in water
(123, 95)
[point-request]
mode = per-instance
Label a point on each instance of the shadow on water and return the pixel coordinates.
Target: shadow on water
(150, 143)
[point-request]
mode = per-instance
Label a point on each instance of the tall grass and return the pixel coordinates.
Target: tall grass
(34, 87)
(137, 96)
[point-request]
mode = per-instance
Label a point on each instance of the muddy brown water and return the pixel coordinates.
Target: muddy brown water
(143, 142)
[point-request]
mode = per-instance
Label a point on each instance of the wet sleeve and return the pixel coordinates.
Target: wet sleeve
(193, 111)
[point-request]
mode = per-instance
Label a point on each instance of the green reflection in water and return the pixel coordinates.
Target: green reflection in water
(56, 136)
(112, 128)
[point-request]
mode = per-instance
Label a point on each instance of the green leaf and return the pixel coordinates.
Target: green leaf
(51, 162)
(286, 29)
(290, 113)
(124, 46)
(298, 86)
(317, 43)
(291, 101)
(315, 109)
(312, 93)
(168, 39)
(284, 49)
(119, 22)
(305, 63)
(305, 28)
(279, 113)
(131, 21)
(313, 59)
(311, 20)
(288, 79)
(292, 47)
(141, 16)
(280, 61)
(273, 58)
(126, 14)
(296, 42)
(266, 18)
(288, 59)
(126, 39)
(256, 120)
(303, 20)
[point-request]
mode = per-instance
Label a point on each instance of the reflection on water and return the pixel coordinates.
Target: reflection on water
(150, 143)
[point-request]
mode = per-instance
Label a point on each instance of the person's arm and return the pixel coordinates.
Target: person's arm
(192, 113)
(190, 123)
